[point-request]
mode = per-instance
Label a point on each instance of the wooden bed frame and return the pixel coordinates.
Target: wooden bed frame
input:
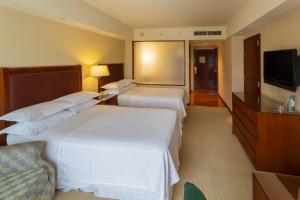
(25, 86)
(116, 72)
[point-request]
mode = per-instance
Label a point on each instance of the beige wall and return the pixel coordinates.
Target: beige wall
(128, 67)
(237, 65)
(77, 13)
(179, 33)
(282, 33)
(250, 13)
(28, 40)
(225, 79)
(231, 75)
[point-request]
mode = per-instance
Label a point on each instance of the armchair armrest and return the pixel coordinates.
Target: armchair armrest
(20, 157)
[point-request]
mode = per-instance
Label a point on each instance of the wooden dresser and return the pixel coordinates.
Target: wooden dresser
(271, 139)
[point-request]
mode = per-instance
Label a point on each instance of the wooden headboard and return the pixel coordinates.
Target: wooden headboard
(116, 72)
(25, 86)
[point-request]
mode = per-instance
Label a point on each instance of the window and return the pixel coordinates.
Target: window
(159, 63)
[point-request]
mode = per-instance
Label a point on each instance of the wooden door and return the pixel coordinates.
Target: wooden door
(252, 81)
(205, 69)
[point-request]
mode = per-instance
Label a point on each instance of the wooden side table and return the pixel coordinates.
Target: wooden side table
(271, 186)
(111, 99)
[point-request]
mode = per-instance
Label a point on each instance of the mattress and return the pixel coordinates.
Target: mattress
(115, 152)
(154, 97)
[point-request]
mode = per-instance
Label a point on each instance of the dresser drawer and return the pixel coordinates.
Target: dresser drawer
(244, 119)
(247, 135)
(248, 149)
(252, 115)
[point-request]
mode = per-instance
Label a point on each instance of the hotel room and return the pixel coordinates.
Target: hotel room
(150, 100)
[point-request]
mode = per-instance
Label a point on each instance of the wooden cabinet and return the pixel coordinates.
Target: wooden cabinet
(271, 139)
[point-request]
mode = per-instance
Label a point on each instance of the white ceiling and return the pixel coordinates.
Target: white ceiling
(170, 13)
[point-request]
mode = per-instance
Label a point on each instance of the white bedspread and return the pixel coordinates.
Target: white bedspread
(115, 152)
(154, 97)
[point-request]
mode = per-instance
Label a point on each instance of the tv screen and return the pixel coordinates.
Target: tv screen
(280, 68)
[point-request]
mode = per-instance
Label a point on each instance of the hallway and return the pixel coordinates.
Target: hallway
(208, 98)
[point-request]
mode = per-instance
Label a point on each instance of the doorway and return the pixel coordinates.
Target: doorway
(204, 73)
(206, 69)
(252, 68)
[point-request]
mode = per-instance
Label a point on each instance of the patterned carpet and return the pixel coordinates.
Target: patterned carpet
(211, 158)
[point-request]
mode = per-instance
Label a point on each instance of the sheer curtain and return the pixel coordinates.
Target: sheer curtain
(159, 63)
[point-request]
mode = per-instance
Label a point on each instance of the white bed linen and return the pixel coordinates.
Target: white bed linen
(115, 152)
(154, 97)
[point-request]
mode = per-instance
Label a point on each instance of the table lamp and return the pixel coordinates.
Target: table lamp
(99, 71)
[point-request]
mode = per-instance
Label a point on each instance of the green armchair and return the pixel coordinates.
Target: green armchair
(24, 175)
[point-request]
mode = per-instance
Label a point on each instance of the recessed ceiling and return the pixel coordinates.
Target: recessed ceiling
(170, 13)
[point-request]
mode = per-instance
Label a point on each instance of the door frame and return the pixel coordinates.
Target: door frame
(192, 58)
(258, 37)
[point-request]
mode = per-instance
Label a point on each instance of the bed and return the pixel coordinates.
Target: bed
(147, 97)
(155, 97)
(102, 150)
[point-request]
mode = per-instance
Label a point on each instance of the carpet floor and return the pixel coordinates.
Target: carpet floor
(211, 157)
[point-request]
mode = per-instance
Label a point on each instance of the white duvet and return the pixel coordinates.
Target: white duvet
(115, 152)
(154, 97)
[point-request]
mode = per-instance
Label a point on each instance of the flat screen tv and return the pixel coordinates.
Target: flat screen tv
(280, 68)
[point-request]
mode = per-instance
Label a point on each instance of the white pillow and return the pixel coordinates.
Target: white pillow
(118, 85)
(36, 112)
(119, 91)
(113, 85)
(132, 85)
(126, 82)
(35, 127)
(86, 105)
(78, 97)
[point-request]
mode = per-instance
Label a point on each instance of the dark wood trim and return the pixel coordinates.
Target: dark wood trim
(257, 37)
(184, 54)
(132, 70)
(159, 84)
(3, 102)
(111, 101)
(16, 91)
(109, 64)
(190, 66)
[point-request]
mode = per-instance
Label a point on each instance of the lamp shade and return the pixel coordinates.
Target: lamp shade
(99, 70)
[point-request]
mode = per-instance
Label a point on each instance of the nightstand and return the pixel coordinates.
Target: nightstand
(111, 99)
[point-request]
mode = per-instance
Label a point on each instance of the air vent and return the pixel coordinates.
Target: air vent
(197, 33)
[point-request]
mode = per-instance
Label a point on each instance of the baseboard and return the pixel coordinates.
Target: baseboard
(225, 103)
